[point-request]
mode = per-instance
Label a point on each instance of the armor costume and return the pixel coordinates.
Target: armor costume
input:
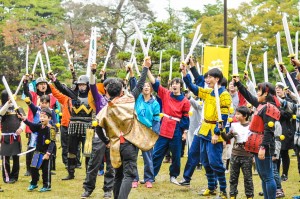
(211, 154)
(257, 126)
(80, 120)
(210, 113)
(10, 141)
(269, 115)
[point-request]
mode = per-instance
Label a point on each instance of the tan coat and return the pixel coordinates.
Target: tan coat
(119, 117)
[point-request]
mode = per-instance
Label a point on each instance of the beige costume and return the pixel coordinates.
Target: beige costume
(118, 118)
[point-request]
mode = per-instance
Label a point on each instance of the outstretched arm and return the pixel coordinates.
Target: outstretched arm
(248, 96)
(62, 88)
(139, 87)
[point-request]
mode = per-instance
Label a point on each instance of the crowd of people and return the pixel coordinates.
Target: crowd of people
(227, 130)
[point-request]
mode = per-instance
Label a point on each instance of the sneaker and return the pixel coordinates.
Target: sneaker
(69, 177)
(184, 183)
(27, 173)
(134, 184)
(100, 172)
(53, 173)
(107, 194)
(173, 180)
(32, 187)
(261, 193)
(255, 172)
(86, 194)
(222, 195)
(1, 190)
(208, 192)
(284, 177)
(142, 182)
(226, 171)
(44, 189)
(279, 193)
(148, 184)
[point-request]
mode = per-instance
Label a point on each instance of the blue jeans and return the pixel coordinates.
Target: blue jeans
(265, 171)
(193, 159)
(148, 167)
(276, 175)
(160, 149)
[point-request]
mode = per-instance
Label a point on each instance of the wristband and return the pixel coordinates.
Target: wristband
(48, 153)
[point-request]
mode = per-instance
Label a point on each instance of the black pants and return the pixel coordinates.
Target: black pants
(7, 173)
(243, 163)
(285, 159)
(30, 154)
(73, 142)
(98, 151)
(297, 151)
(126, 173)
(46, 174)
(64, 143)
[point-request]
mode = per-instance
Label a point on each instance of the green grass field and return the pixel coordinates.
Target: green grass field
(162, 188)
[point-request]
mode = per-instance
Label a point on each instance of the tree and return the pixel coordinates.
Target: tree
(27, 21)
(113, 20)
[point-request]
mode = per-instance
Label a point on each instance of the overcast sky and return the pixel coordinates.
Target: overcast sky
(159, 6)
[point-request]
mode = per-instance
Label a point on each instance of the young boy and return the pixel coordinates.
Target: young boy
(211, 143)
(44, 148)
(240, 159)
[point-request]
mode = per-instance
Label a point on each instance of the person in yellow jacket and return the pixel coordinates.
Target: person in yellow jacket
(211, 143)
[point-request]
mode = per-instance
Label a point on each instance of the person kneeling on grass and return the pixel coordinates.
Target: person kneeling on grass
(240, 158)
(44, 148)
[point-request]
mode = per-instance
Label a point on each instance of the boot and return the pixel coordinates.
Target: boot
(71, 169)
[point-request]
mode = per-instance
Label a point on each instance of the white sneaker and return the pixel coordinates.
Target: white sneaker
(226, 171)
(174, 181)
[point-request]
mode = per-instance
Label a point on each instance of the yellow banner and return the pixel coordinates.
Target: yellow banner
(216, 57)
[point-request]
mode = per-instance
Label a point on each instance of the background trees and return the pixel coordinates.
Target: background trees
(54, 21)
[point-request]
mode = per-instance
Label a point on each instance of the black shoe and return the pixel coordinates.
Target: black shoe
(261, 193)
(11, 181)
(86, 194)
(284, 177)
(199, 167)
(69, 177)
(27, 173)
(184, 183)
(78, 167)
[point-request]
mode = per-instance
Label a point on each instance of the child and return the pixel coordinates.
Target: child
(44, 148)
(240, 159)
(44, 103)
(11, 127)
